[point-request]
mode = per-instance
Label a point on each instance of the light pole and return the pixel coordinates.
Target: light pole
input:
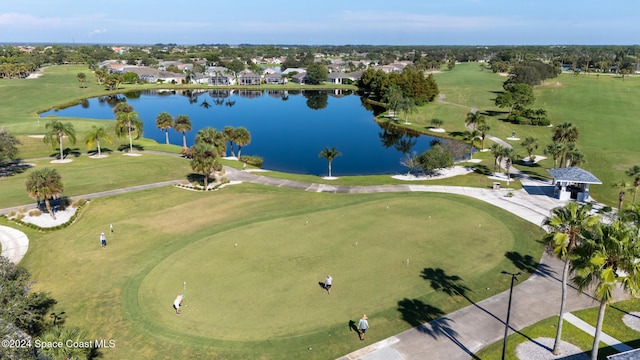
(506, 325)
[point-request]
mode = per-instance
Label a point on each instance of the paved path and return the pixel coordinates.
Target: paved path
(460, 334)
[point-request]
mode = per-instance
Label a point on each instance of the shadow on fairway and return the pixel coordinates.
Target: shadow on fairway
(13, 168)
(429, 320)
(125, 147)
(528, 264)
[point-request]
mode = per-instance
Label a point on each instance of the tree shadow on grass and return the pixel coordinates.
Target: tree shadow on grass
(529, 265)
(429, 320)
(75, 152)
(125, 147)
(449, 284)
(482, 169)
(13, 168)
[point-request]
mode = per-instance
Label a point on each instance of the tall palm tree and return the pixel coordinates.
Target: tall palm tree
(230, 133)
(470, 137)
(95, 135)
(507, 154)
(182, 124)
(565, 226)
(45, 184)
(393, 97)
(555, 150)
(408, 106)
(164, 121)
(605, 260)
(474, 118)
(634, 172)
(496, 151)
(483, 128)
(127, 122)
(242, 137)
(56, 130)
(122, 106)
(329, 154)
(565, 133)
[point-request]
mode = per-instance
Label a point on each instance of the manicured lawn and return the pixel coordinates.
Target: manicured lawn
(262, 298)
(85, 175)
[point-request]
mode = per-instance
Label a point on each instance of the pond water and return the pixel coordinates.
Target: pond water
(288, 128)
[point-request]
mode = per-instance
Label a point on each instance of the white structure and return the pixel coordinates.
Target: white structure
(572, 183)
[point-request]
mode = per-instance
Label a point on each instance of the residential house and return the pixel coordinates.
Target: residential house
(246, 77)
(275, 79)
(300, 78)
(336, 77)
(222, 80)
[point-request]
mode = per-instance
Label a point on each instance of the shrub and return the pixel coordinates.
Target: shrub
(35, 212)
(12, 213)
(544, 122)
(252, 160)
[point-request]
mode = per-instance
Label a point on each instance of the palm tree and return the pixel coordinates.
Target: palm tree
(214, 138)
(483, 128)
(182, 124)
(634, 172)
(242, 137)
(555, 150)
(393, 97)
(63, 335)
(329, 154)
(575, 157)
(507, 155)
(164, 121)
(122, 106)
(204, 160)
(530, 144)
(45, 184)
(496, 151)
(56, 131)
(95, 135)
(408, 106)
(470, 137)
(229, 133)
(565, 133)
(565, 226)
(473, 118)
(126, 122)
(605, 260)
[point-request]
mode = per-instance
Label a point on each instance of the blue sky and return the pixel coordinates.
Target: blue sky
(328, 22)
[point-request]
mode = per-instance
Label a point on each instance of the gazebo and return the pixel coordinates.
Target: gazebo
(572, 183)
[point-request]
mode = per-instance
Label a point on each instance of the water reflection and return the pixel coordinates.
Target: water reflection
(288, 128)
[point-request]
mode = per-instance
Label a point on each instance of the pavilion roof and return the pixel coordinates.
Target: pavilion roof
(574, 174)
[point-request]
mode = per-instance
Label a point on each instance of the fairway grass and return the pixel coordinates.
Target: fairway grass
(261, 299)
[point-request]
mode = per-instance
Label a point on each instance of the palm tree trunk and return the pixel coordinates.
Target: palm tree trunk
(48, 205)
(329, 168)
(565, 272)
(206, 182)
(130, 141)
(596, 337)
(99, 152)
(61, 153)
(184, 140)
(166, 136)
(239, 148)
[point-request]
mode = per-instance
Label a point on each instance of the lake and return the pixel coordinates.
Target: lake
(288, 128)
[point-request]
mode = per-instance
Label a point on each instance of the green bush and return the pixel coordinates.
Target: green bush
(252, 160)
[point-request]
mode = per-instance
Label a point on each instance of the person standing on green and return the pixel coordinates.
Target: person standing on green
(363, 325)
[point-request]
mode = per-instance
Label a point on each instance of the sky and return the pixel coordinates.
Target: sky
(327, 22)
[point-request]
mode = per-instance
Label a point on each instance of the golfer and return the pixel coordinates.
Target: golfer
(103, 240)
(177, 302)
(327, 284)
(363, 325)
